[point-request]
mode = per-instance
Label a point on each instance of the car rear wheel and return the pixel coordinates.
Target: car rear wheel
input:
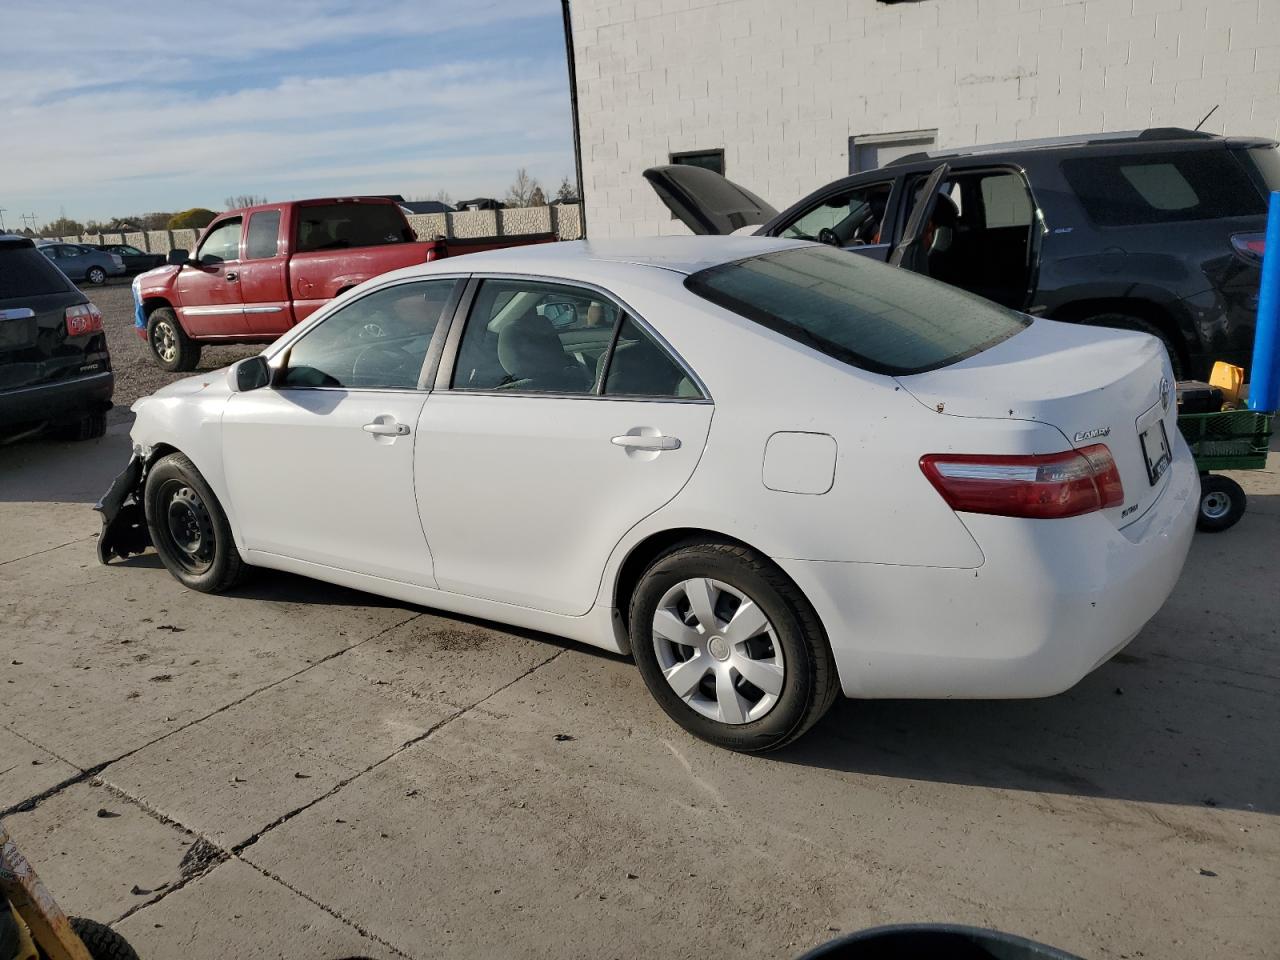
(729, 648)
(188, 527)
(1123, 321)
(169, 343)
(96, 275)
(1222, 503)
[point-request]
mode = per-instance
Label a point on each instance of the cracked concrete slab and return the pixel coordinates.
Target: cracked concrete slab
(234, 911)
(93, 849)
(26, 770)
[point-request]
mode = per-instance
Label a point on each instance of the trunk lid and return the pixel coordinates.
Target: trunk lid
(706, 202)
(34, 346)
(1093, 384)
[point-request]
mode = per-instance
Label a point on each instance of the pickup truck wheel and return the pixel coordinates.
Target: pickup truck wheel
(169, 343)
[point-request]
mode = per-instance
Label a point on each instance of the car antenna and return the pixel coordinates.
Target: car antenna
(1208, 115)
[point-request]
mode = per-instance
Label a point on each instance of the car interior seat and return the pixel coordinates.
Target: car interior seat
(533, 357)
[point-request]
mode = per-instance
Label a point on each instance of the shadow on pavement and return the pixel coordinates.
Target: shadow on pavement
(40, 470)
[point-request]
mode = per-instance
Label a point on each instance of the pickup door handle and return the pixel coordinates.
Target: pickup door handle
(633, 442)
(386, 429)
(232, 276)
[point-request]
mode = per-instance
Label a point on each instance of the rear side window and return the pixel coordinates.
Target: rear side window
(260, 240)
(866, 314)
(1162, 187)
(337, 226)
(26, 272)
(1267, 162)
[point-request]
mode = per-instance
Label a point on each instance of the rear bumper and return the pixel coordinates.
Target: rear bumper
(1053, 600)
(57, 401)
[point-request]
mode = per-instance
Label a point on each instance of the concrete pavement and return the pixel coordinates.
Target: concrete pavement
(300, 771)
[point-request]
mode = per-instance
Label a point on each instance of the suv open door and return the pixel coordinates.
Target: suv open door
(706, 202)
(912, 251)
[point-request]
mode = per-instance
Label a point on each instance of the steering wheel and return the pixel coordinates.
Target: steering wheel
(382, 364)
(828, 236)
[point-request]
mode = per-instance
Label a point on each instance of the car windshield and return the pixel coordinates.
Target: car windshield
(863, 313)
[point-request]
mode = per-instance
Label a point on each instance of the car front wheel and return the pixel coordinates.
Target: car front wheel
(729, 648)
(188, 527)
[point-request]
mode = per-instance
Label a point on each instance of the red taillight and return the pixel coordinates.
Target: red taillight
(1043, 487)
(1251, 246)
(83, 318)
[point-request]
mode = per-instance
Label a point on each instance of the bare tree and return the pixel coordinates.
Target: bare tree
(537, 198)
(239, 200)
(520, 193)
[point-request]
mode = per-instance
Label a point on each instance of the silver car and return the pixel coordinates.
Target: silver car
(81, 262)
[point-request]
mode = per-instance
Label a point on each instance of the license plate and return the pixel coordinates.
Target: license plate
(1155, 449)
(17, 333)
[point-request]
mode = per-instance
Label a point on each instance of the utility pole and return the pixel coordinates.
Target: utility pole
(29, 220)
(1, 219)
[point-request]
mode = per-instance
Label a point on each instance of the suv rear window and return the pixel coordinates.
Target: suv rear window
(26, 272)
(336, 226)
(1162, 187)
(866, 314)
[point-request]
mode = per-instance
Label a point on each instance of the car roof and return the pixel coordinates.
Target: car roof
(678, 254)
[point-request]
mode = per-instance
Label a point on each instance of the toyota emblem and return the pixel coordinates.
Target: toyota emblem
(1164, 393)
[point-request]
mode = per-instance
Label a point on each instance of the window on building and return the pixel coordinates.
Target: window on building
(707, 159)
(870, 151)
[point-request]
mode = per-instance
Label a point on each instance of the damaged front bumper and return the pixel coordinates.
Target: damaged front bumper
(124, 521)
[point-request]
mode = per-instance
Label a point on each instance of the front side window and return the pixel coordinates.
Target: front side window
(849, 218)
(529, 336)
(339, 226)
(377, 342)
(1162, 187)
(860, 312)
(260, 239)
(222, 243)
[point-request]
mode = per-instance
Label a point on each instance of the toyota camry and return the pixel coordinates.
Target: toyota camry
(770, 472)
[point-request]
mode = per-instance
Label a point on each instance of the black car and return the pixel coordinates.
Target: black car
(55, 372)
(1160, 230)
(135, 260)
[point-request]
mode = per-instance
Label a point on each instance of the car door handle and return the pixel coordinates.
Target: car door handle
(232, 276)
(634, 442)
(392, 429)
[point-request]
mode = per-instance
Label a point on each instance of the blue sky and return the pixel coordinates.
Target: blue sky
(131, 108)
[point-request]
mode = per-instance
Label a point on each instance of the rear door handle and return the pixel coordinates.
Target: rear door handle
(232, 276)
(392, 429)
(633, 442)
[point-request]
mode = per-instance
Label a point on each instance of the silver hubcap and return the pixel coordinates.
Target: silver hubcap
(1215, 505)
(166, 342)
(718, 651)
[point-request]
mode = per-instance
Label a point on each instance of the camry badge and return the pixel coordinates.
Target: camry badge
(1091, 434)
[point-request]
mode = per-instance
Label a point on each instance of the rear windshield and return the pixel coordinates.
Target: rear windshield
(1162, 187)
(858, 311)
(26, 272)
(336, 226)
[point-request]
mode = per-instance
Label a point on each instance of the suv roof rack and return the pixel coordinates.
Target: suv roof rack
(1077, 139)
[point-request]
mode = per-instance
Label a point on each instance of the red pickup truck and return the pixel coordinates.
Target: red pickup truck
(259, 270)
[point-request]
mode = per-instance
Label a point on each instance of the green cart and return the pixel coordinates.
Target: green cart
(1230, 440)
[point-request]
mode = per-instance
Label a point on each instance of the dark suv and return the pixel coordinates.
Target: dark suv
(1159, 230)
(55, 372)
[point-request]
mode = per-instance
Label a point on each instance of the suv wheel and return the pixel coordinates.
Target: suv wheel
(729, 648)
(1123, 321)
(89, 427)
(169, 343)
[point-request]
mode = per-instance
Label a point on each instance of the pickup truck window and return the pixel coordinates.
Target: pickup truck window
(222, 243)
(338, 226)
(260, 239)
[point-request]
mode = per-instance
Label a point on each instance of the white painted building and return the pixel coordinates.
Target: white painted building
(790, 94)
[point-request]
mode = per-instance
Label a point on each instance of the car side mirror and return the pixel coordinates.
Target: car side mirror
(177, 258)
(252, 373)
(560, 314)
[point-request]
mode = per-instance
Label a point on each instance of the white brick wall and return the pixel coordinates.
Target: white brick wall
(781, 85)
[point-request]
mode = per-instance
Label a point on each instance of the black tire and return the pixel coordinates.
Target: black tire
(809, 686)
(172, 349)
(188, 527)
(89, 427)
(1222, 503)
(96, 275)
(1124, 321)
(101, 941)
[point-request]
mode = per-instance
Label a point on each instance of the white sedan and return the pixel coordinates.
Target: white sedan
(769, 471)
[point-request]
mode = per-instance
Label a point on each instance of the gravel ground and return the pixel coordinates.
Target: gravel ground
(136, 371)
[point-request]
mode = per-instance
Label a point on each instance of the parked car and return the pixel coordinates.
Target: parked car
(80, 262)
(135, 260)
(1160, 231)
(863, 513)
(258, 271)
(55, 371)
